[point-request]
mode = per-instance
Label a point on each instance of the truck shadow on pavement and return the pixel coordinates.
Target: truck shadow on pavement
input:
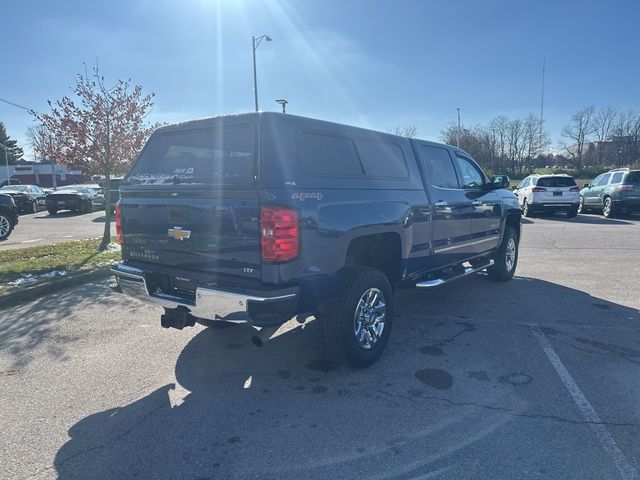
(285, 411)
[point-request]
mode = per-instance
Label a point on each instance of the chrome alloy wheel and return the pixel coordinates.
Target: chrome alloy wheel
(510, 255)
(4, 226)
(369, 317)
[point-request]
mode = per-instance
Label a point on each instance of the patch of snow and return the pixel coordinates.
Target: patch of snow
(29, 278)
(113, 247)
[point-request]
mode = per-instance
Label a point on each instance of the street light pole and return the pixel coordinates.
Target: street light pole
(6, 162)
(256, 41)
(458, 136)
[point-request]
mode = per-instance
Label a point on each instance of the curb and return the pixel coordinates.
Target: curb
(33, 292)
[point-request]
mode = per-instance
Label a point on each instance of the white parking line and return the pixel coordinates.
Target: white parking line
(31, 241)
(588, 412)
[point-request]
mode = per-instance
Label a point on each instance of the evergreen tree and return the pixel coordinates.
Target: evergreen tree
(15, 152)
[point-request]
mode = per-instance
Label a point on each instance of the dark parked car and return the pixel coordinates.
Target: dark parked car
(77, 198)
(266, 216)
(114, 190)
(613, 193)
(8, 215)
(27, 197)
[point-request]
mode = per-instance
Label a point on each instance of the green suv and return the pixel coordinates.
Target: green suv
(612, 193)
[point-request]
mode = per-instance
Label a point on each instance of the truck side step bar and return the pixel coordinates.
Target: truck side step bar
(436, 282)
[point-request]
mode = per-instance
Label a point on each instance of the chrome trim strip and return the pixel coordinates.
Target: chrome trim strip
(467, 244)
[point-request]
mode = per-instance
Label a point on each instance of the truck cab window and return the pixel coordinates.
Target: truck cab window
(472, 177)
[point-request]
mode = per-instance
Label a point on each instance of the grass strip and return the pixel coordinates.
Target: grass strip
(69, 257)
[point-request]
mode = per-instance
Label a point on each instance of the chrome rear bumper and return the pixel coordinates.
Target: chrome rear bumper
(209, 303)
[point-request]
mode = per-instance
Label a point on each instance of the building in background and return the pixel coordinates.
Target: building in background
(40, 173)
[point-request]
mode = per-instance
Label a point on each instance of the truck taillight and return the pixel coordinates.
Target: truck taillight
(280, 234)
(626, 187)
(118, 219)
(538, 189)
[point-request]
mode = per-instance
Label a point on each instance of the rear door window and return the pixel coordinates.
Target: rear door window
(556, 182)
(209, 156)
(616, 177)
(439, 167)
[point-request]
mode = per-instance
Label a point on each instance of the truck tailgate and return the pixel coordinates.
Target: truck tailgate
(212, 230)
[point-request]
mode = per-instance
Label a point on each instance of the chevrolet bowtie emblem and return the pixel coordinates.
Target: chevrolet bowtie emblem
(178, 233)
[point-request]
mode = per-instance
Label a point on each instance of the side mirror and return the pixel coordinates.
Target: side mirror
(586, 185)
(514, 188)
(500, 181)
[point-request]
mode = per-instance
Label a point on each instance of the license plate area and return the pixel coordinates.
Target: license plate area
(60, 202)
(172, 285)
(557, 194)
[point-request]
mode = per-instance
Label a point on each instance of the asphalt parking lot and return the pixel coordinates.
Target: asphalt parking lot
(43, 229)
(535, 378)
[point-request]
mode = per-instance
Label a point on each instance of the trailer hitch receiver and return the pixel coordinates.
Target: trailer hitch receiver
(179, 318)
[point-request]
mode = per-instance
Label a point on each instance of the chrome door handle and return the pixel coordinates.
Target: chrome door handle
(441, 204)
(476, 203)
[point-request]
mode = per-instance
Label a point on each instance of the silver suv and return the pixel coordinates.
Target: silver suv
(548, 193)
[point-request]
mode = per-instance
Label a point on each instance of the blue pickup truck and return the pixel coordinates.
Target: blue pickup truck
(261, 217)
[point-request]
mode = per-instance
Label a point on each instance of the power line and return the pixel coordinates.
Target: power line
(30, 110)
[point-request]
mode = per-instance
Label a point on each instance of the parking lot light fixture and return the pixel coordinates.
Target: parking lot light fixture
(256, 42)
(283, 102)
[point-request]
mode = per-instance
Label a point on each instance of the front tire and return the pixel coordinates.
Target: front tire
(34, 207)
(52, 211)
(581, 207)
(526, 211)
(506, 257)
(6, 226)
(357, 326)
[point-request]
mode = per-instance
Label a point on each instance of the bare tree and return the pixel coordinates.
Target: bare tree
(581, 126)
(626, 131)
(603, 125)
(409, 131)
(515, 144)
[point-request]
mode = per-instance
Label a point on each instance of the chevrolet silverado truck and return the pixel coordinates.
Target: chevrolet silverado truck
(262, 217)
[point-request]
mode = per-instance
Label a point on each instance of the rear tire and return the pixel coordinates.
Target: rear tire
(608, 209)
(573, 213)
(506, 257)
(34, 207)
(52, 211)
(357, 326)
(6, 226)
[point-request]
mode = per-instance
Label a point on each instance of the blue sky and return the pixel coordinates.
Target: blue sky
(371, 63)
